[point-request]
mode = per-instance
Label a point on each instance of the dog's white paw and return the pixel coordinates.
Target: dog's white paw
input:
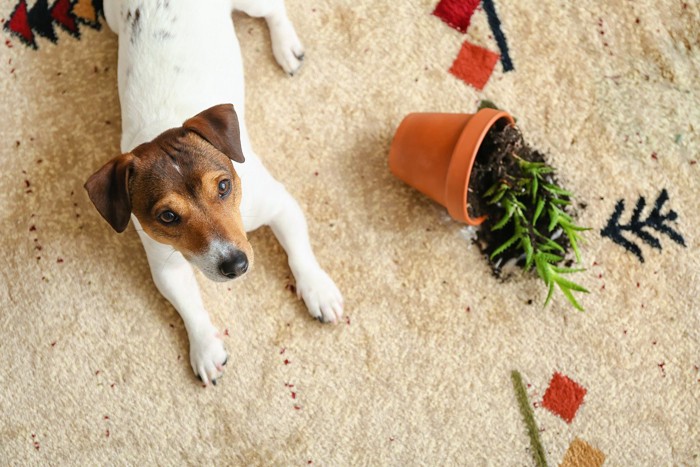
(208, 355)
(321, 295)
(286, 47)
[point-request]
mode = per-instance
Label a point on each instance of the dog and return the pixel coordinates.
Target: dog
(187, 177)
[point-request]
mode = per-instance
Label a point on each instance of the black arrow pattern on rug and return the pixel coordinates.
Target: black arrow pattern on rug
(41, 21)
(655, 221)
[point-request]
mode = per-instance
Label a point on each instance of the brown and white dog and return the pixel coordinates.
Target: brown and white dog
(194, 189)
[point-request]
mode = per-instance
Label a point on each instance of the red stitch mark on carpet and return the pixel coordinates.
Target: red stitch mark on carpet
(563, 397)
(474, 65)
(601, 31)
(456, 13)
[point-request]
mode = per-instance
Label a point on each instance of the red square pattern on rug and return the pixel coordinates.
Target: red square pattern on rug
(456, 13)
(563, 396)
(474, 65)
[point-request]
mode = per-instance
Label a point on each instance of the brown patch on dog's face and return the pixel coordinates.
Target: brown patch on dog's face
(186, 193)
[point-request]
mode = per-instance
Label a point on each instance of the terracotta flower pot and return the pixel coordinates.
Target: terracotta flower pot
(434, 153)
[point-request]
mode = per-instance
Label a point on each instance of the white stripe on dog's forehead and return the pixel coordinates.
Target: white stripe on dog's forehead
(177, 167)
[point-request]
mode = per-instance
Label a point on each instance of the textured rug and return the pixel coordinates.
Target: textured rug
(437, 362)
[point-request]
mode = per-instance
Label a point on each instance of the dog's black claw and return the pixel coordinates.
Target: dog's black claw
(213, 381)
(199, 378)
(320, 319)
(225, 361)
(300, 57)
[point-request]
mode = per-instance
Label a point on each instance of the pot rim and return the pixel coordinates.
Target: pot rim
(463, 158)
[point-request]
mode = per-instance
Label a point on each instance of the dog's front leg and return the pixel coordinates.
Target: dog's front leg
(286, 46)
(314, 285)
(175, 279)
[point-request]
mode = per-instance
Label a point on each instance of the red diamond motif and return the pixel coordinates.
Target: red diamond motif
(474, 65)
(563, 396)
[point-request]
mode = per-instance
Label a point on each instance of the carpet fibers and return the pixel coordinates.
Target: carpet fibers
(421, 370)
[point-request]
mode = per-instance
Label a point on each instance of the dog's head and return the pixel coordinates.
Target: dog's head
(184, 191)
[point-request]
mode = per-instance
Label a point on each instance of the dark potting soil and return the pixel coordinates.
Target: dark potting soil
(494, 162)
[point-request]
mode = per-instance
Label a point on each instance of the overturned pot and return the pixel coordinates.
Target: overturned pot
(435, 152)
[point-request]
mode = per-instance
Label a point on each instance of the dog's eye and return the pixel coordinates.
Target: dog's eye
(167, 217)
(224, 188)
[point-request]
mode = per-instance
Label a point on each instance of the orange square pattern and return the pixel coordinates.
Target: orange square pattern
(474, 65)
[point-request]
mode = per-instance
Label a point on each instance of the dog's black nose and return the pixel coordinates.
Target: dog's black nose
(236, 265)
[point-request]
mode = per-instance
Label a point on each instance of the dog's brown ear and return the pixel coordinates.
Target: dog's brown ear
(108, 189)
(219, 126)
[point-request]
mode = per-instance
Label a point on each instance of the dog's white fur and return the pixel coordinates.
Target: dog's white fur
(177, 58)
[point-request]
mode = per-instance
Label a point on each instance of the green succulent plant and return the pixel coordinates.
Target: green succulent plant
(547, 205)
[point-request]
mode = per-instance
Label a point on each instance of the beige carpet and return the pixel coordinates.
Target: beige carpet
(94, 362)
